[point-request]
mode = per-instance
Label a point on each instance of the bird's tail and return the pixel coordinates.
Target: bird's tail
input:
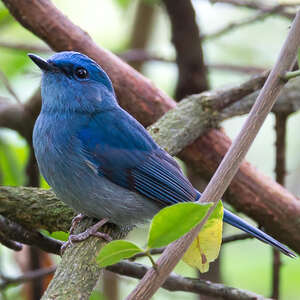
(237, 222)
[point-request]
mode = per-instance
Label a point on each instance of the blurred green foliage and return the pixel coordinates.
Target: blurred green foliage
(245, 264)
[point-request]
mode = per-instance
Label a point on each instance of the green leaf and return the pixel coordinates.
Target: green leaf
(115, 251)
(96, 295)
(206, 247)
(58, 235)
(298, 56)
(174, 221)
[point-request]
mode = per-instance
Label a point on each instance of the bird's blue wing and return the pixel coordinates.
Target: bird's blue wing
(126, 154)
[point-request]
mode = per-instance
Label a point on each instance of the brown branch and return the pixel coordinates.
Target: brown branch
(260, 16)
(154, 278)
(25, 47)
(236, 237)
(193, 285)
(78, 272)
(140, 55)
(141, 29)
(32, 171)
(21, 117)
(20, 234)
(28, 276)
(9, 243)
(239, 69)
(192, 70)
(280, 171)
(8, 86)
(134, 270)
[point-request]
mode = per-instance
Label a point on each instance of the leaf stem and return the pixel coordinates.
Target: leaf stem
(147, 253)
(289, 75)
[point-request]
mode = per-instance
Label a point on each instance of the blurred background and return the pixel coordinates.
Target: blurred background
(231, 57)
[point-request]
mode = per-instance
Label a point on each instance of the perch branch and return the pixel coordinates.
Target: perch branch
(77, 273)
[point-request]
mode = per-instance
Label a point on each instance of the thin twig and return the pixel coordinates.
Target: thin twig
(28, 276)
(280, 9)
(192, 285)
(25, 47)
(8, 86)
(133, 55)
(228, 167)
(280, 170)
(236, 237)
(237, 24)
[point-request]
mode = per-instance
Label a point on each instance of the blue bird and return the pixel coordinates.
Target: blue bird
(100, 160)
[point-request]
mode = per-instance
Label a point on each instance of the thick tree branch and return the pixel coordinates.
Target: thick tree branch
(77, 273)
(35, 208)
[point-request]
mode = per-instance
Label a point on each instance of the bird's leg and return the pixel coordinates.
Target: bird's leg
(91, 231)
(75, 222)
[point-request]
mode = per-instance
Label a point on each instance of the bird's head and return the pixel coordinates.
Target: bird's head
(74, 82)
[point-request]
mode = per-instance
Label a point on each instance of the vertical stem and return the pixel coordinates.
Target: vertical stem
(280, 128)
(110, 285)
(142, 28)
(192, 72)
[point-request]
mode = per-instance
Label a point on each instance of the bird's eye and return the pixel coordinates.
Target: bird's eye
(81, 73)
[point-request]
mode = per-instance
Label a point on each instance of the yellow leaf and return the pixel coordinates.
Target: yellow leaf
(206, 247)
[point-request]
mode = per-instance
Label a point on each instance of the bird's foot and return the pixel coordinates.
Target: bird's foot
(91, 231)
(75, 222)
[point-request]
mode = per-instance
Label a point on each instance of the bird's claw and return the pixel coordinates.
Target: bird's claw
(91, 231)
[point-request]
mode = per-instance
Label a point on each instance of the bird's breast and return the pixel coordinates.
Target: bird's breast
(57, 148)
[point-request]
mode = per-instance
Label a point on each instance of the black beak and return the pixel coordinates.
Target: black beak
(41, 63)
